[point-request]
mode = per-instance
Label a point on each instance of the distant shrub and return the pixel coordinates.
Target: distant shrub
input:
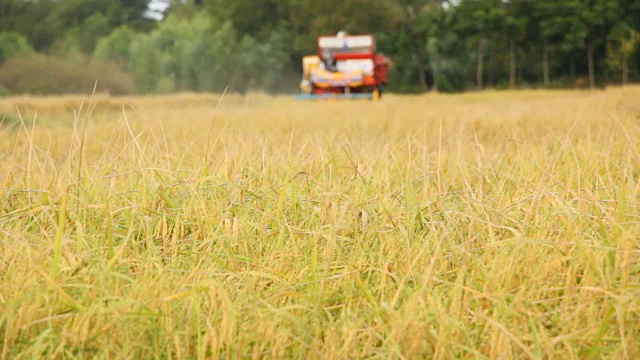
(39, 74)
(115, 47)
(199, 54)
(444, 85)
(13, 45)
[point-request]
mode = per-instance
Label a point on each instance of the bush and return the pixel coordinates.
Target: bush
(39, 74)
(13, 45)
(197, 54)
(444, 85)
(116, 47)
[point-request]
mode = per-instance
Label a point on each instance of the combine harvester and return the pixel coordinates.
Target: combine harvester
(346, 67)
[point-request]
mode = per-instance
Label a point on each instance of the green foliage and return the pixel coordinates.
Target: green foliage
(85, 36)
(70, 13)
(205, 45)
(481, 17)
(47, 22)
(13, 45)
(474, 226)
(621, 46)
(192, 54)
(31, 19)
(39, 74)
(116, 47)
(164, 59)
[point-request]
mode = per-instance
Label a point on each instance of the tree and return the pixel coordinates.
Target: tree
(13, 45)
(439, 42)
(415, 29)
(515, 25)
(85, 36)
(593, 18)
(623, 43)
(553, 19)
(45, 22)
(203, 45)
(30, 19)
(480, 19)
(70, 13)
(116, 47)
(200, 54)
(160, 61)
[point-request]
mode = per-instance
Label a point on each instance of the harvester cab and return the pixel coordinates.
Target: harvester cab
(345, 66)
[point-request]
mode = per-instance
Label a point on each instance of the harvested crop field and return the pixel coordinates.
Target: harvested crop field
(481, 225)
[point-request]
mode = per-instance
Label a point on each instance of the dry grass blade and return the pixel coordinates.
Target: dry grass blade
(504, 224)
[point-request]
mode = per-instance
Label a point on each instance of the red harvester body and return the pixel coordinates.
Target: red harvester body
(345, 66)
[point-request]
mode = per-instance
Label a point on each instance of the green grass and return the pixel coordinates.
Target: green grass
(502, 224)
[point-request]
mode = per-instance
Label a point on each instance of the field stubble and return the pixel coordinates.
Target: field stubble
(486, 225)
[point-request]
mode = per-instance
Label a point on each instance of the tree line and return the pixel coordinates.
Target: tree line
(49, 46)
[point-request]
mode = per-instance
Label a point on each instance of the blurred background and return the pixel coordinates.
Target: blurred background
(164, 46)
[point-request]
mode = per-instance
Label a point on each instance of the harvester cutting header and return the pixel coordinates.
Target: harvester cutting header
(345, 67)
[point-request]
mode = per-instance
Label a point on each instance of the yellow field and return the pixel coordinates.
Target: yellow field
(493, 225)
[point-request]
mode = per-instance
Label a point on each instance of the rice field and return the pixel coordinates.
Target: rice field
(482, 225)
